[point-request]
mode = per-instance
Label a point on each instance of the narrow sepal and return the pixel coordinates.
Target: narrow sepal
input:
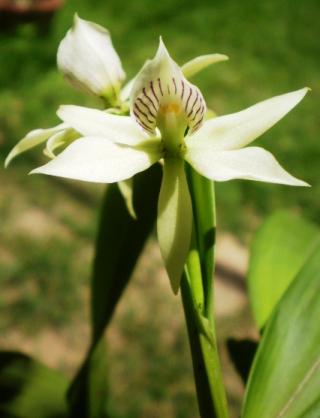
(239, 129)
(252, 163)
(174, 222)
(198, 64)
(32, 139)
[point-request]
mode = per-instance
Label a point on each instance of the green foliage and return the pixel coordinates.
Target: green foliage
(119, 244)
(284, 381)
(266, 59)
(279, 250)
(30, 389)
(44, 282)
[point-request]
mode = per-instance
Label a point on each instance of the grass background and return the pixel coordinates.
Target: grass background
(47, 225)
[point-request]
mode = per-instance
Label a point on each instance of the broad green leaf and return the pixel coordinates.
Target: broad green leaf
(285, 378)
(119, 243)
(279, 250)
(116, 255)
(29, 389)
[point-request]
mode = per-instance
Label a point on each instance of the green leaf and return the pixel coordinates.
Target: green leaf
(119, 243)
(285, 378)
(30, 389)
(278, 252)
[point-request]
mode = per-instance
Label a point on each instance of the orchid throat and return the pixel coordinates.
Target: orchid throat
(170, 103)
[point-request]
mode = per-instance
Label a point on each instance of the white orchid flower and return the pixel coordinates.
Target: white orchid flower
(167, 123)
(88, 60)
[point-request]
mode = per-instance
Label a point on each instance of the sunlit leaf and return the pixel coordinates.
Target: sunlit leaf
(285, 378)
(279, 250)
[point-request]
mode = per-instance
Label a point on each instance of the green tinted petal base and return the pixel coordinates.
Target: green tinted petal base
(174, 222)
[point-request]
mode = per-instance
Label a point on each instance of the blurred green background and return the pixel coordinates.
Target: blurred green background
(48, 225)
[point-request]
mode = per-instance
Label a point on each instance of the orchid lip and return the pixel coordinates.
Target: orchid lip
(178, 97)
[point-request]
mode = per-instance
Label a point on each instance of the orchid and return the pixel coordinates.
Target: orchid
(87, 59)
(167, 124)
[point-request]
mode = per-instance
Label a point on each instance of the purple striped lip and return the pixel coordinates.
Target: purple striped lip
(157, 96)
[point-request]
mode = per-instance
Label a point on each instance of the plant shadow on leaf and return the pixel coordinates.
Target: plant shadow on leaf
(242, 353)
(119, 244)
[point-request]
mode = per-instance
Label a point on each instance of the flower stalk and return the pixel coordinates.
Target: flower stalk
(197, 298)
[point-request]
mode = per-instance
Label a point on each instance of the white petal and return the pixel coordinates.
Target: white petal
(239, 129)
(197, 64)
(60, 139)
(161, 88)
(93, 122)
(88, 60)
(252, 163)
(32, 139)
(97, 160)
(174, 222)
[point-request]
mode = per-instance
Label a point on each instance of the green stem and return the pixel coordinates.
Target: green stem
(204, 214)
(197, 298)
(204, 396)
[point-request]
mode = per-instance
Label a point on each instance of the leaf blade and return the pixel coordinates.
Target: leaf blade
(285, 378)
(88, 393)
(273, 267)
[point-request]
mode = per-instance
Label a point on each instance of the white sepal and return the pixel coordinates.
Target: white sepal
(252, 163)
(198, 64)
(89, 61)
(32, 139)
(239, 129)
(98, 160)
(174, 222)
(94, 122)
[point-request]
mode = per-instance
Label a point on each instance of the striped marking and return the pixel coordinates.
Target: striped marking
(179, 93)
